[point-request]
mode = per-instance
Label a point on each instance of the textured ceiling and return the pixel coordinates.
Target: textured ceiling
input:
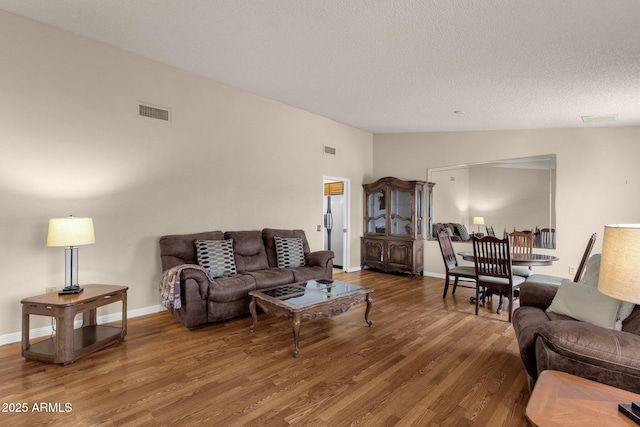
(389, 66)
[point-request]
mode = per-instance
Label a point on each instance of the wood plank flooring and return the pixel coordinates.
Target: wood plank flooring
(426, 361)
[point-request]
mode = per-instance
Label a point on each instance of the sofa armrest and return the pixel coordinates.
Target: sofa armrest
(199, 278)
(537, 294)
(593, 345)
(318, 258)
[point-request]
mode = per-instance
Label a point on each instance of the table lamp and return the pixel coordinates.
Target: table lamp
(478, 220)
(70, 233)
(619, 277)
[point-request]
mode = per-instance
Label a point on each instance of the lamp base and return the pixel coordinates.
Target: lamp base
(70, 290)
(631, 410)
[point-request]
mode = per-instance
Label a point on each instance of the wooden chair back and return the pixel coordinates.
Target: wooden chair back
(521, 242)
(446, 249)
(585, 257)
(490, 231)
(548, 238)
(492, 257)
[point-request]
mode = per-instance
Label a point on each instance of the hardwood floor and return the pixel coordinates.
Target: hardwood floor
(426, 361)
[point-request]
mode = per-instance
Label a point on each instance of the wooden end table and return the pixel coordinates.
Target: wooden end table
(561, 399)
(70, 344)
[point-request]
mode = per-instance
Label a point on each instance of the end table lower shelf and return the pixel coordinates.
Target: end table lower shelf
(70, 344)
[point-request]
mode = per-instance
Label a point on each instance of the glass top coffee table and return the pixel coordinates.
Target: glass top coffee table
(308, 300)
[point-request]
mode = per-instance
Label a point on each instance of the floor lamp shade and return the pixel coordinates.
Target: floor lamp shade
(69, 233)
(619, 264)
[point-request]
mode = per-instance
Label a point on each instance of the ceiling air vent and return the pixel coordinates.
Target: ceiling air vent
(153, 112)
(606, 118)
(329, 150)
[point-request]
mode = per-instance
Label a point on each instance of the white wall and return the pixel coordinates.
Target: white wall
(598, 178)
(71, 142)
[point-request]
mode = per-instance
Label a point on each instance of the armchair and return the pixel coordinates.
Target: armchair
(549, 340)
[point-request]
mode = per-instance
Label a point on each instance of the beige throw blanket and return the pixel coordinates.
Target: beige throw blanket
(171, 284)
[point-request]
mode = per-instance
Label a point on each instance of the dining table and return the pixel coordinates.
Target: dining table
(529, 260)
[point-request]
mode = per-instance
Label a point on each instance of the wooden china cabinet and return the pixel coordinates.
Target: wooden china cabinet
(393, 239)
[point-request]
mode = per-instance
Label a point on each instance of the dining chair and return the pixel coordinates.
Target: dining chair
(494, 270)
(490, 231)
(557, 280)
(521, 242)
(548, 238)
(452, 269)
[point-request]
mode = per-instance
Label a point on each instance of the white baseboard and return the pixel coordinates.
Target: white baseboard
(107, 318)
(438, 275)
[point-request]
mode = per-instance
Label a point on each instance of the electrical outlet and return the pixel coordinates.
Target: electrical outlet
(50, 289)
(572, 269)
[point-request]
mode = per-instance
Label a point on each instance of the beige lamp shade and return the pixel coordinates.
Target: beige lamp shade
(619, 276)
(478, 220)
(70, 232)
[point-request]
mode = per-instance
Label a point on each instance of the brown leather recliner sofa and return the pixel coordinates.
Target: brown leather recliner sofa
(458, 232)
(203, 300)
(552, 341)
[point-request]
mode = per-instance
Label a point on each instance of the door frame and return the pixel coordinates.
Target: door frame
(346, 235)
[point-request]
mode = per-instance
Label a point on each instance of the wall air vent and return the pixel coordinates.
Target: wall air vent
(329, 150)
(153, 112)
(606, 118)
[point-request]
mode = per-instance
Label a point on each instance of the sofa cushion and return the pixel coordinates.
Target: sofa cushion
(227, 289)
(177, 249)
(248, 250)
(270, 277)
(216, 256)
(290, 251)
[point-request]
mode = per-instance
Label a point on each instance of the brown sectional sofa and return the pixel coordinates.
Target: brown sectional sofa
(549, 340)
(204, 301)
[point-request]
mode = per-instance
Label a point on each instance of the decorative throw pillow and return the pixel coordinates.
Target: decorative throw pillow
(290, 251)
(449, 231)
(585, 303)
(591, 277)
(216, 256)
(462, 231)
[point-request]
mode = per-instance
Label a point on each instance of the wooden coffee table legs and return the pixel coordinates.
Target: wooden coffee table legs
(326, 310)
(368, 310)
(254, 314)
(295, 327)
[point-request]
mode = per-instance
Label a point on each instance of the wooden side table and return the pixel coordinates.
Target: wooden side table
(70, 344)
(561, 399)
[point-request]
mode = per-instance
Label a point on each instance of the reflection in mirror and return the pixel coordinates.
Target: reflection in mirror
(515, 194)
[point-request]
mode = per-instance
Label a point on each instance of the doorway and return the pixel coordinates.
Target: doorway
(335, 219)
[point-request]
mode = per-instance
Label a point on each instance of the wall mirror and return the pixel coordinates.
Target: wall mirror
(506, 195)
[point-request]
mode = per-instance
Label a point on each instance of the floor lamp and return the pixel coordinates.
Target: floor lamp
(70, 233)
(619, 277)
